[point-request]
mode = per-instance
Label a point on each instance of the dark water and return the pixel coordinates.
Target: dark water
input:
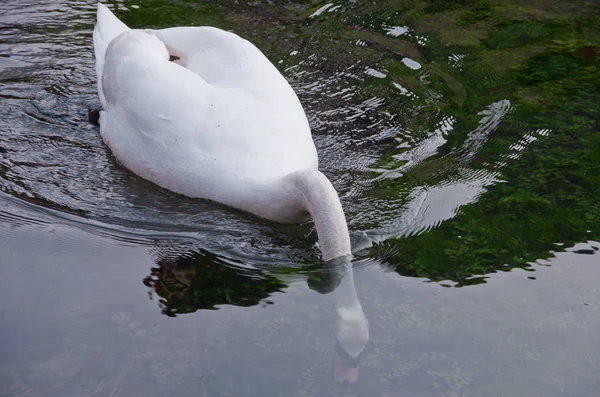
(463, 140)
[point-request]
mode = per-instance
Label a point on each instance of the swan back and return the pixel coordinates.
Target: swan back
(200, 138)
(224, 59)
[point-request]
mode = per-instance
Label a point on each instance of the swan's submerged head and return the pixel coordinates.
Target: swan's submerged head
(353, 330)
(352, 325)
(352, 338)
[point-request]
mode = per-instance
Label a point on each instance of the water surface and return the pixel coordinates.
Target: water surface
(463, 140)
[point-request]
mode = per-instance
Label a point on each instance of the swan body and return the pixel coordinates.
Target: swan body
(221, 123)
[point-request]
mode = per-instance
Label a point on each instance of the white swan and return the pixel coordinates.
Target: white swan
(220, 123)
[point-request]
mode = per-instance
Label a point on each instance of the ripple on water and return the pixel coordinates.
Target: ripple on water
(396, 178)
(52, 156)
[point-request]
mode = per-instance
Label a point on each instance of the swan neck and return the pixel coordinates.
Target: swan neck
(345, 294)
(321, 200)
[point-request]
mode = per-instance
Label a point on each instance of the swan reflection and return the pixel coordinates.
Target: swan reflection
(192, 280)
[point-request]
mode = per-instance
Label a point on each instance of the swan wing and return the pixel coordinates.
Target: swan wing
(224, 59)
(171, 126)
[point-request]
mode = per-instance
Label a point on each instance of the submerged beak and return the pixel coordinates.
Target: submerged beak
(342, 373)
(346, 367)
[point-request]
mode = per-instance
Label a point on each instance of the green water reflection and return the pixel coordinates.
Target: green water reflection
(540, 60)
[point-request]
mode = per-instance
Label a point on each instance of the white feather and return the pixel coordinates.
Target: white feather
(221, 123)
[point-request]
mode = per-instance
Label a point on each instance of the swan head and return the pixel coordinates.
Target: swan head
(352, 324)
(352, 338)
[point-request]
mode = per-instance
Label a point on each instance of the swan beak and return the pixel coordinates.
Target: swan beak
(342, 373)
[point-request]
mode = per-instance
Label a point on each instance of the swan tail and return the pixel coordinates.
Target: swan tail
(108, 26)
